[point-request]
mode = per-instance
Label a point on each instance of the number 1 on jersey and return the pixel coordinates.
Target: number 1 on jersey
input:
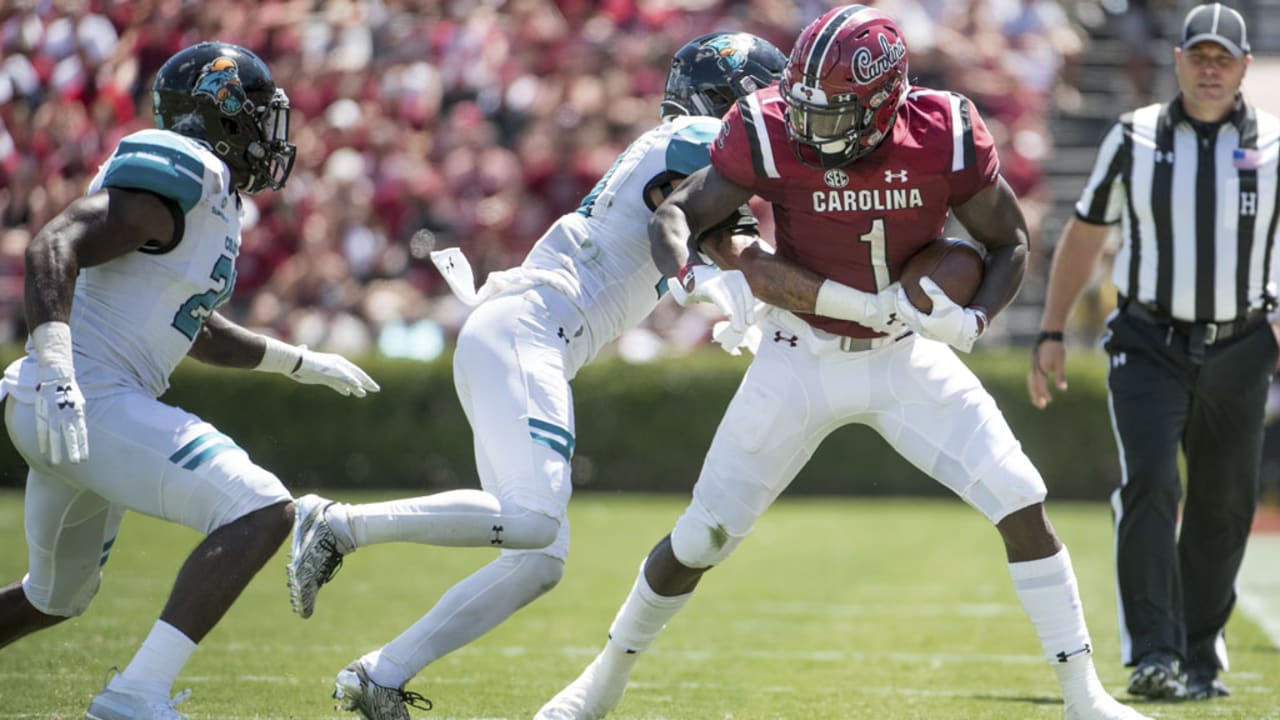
(879, 255)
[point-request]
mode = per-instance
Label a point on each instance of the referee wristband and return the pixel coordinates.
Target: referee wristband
(1049, 336)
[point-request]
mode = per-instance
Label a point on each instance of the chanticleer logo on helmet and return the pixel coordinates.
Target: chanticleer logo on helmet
(220, 82)
(732, 51)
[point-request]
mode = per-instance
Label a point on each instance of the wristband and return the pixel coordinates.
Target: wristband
(52, 341)
(1049, 336)
(983, 319)
(686, 272)
(839, 301)
(280, 357)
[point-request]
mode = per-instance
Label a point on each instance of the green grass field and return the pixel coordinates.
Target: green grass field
(834, 608)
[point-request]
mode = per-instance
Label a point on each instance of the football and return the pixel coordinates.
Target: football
(955, 265)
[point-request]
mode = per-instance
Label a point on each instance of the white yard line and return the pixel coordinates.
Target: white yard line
(1259, 584)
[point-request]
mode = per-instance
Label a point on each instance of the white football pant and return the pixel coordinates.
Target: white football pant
(145, 456)
(802, 385)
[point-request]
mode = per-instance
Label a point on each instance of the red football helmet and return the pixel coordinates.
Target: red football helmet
(844, 83)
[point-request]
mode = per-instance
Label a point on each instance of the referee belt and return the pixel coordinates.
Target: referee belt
(1211, 332)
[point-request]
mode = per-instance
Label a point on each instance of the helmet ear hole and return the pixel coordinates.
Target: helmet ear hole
(229, 126)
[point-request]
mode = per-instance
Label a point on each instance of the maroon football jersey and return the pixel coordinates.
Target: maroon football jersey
(859, 224)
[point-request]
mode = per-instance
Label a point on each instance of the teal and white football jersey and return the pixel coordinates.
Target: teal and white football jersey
(135, 317)
(599, 255)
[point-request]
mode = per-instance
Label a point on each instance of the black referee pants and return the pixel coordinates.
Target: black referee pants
(1177, 589)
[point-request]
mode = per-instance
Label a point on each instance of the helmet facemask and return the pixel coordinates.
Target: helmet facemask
(831, 134)
(270, 157)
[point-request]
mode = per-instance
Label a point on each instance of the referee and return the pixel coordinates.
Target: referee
(1193, 185)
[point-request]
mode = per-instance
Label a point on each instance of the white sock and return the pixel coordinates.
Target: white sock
(476, 605)
(616, 661)
(643, 615)
(455, 518)
(335, 516)
(1078, 677)
(1051, 598)
(157, 663)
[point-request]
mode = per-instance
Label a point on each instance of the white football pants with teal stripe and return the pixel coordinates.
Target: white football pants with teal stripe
(514, 359)
(512, 366)
(144, 456)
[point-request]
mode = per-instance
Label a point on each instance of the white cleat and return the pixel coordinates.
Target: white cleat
(355, 692)
(594, 694)
(314, 556)
(120, 705)
(1100, 707)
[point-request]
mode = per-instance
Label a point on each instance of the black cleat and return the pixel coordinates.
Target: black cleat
(1203, 683)
(1159, 676)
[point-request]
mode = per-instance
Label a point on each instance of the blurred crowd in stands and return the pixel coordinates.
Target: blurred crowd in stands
(428, 123)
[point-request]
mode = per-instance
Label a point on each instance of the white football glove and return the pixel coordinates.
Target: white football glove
(878, 311)
(316, 368)
(334, 372)
(733, 340)
(728, 290)
(956, 326)
(60, 428)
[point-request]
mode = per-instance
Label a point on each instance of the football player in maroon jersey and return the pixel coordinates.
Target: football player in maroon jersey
(861, 170)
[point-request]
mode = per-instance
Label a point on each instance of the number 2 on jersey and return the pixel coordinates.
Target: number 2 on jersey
(879, 257)
(191, 316)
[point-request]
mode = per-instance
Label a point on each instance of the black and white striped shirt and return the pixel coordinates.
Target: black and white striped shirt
(1199, 206)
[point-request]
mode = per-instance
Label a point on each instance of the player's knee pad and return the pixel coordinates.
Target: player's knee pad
(1011, 485)
(533, 569)
(699, 540)
(62, 599)
(525, 529)
(249, 488)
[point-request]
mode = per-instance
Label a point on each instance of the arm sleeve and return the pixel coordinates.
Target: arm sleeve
(975, 165)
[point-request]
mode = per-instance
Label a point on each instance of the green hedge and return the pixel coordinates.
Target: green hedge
(639, 427)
